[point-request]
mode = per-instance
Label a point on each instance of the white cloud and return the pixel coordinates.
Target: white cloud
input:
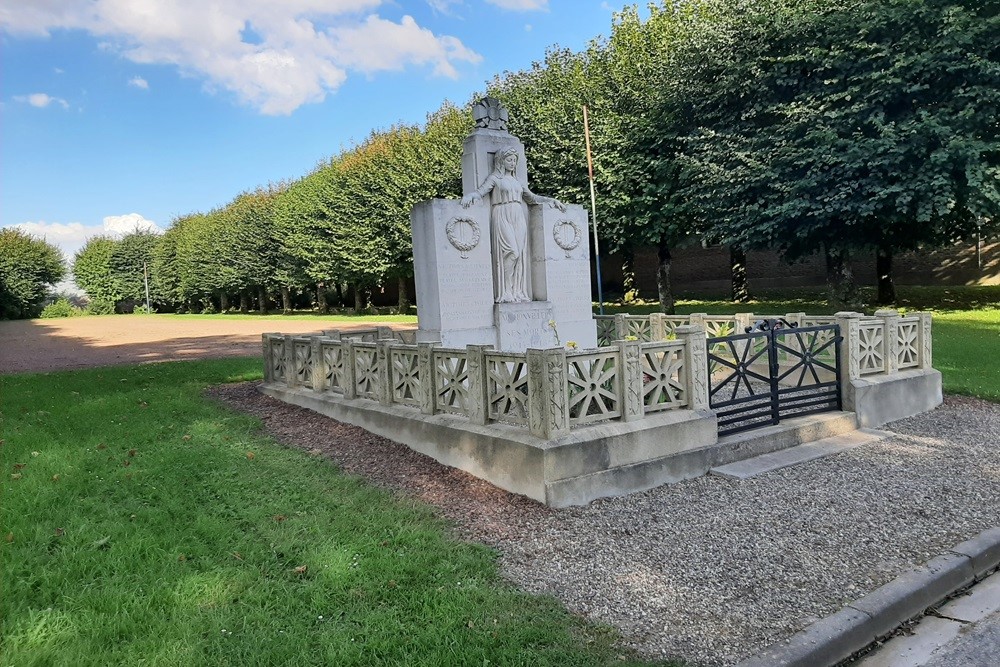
(275, 56)
(70, 237)
(521, 5)
(119, 225)
(139, 82)
(41, 100)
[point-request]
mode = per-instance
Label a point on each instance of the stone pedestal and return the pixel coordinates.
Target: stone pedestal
(453, 273)
(521, 326)
(560, 270)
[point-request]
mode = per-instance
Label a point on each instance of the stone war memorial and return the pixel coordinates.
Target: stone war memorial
(512, 378)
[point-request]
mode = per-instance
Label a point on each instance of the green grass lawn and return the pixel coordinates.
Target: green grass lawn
(143, 524)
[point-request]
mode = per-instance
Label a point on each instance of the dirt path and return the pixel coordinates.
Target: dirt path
(81, 342)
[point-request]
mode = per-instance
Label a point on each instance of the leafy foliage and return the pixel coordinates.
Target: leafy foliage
(29, 268)
(846, 125)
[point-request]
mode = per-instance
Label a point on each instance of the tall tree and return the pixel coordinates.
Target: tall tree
(29, 268)
(92, 270)
(848, 125)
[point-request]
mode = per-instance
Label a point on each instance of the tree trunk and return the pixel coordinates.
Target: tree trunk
(842, 291)
(321, 303)
(404, 296)
(628, 276)
(359, 299)
(244, 301)
(738, 271)
(883, 269)
(262, 300)
(663, 278)
(223, 301)
(286, 300)
(340, 294)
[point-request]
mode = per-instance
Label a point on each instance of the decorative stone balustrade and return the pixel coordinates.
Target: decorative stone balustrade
(881, 344)
(548, 391)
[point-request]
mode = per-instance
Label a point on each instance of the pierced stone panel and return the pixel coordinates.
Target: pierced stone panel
(606, 331)
(333, 358)
(507, 387)
(719, 327)
(451, 382)
(366, 370)
(908, 343)
(303, 362)
(277, 359)
(664, 380)
(638, 327)
(871, 347)
(405, 376)
(671, 323)
(594, 382)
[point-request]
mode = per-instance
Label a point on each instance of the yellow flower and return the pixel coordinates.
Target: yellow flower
(571, 344)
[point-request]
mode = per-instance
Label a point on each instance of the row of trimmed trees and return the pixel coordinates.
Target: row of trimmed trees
(805, 126)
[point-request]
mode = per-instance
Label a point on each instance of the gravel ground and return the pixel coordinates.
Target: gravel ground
(711, 570)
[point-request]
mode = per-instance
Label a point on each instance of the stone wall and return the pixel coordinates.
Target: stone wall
(697, 270)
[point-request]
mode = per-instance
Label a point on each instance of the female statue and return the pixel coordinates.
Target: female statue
(509, 228)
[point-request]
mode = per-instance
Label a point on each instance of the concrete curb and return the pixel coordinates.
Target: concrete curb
(837, 637)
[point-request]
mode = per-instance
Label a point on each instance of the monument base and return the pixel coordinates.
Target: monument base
(522, 326)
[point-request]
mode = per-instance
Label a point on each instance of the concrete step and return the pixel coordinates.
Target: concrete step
(809, 451)
(789, 433)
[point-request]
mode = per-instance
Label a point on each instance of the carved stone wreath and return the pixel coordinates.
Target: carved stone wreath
(567, 235)
(463, 234)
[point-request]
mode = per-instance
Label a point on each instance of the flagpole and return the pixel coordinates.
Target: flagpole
(593, 209)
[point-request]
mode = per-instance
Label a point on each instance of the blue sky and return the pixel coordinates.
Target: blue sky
(115, 113)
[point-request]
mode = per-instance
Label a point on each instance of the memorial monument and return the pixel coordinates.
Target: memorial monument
(503, 266)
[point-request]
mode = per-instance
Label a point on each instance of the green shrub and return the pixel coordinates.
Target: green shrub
(143, 310)
(60, 308)
(100, 307)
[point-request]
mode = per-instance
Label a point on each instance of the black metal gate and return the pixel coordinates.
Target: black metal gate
(773, 371)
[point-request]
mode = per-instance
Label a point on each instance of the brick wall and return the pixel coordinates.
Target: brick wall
(697, 270)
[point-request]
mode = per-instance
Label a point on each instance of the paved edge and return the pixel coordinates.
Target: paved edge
(837, 637)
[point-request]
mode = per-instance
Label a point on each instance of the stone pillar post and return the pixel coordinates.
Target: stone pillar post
(332, 334)
(742, 322)
(695, 365)
(621, 327)
(384, 332)
(318, 364)
(850, 362)
(890, 319)
(697, 320)
(924, 342)
(291, 373)
(476, 406)
(350, 368)
(428, 384)
(383, 361)
(265, 343)
(630, 369)
(548, 407)
(657, 327)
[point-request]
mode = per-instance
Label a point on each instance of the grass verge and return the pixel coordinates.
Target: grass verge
(143, 524)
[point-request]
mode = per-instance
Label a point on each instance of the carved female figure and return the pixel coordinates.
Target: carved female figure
(509, 228)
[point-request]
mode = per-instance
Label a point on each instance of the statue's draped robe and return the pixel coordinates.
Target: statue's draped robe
(510, 237)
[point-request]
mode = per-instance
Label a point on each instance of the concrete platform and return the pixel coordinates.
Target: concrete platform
(809, 451)
(590, 462)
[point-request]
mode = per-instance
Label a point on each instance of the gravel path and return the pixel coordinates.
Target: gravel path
(711, 570)
(85, 342)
